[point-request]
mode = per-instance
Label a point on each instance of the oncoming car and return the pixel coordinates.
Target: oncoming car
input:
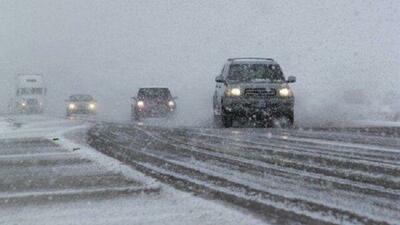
(153, 102)
(81, 104)
(253, 89)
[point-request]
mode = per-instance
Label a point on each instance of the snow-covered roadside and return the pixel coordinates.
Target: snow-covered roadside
(33, 126)
(143, 210)
(68, 140)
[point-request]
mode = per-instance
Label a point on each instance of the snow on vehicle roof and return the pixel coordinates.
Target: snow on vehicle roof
(252, 60)
(154, 87)
(81, 97)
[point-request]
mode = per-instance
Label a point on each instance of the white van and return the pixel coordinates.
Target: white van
(30, 94)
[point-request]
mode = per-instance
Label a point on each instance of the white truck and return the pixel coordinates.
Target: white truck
(30, 94)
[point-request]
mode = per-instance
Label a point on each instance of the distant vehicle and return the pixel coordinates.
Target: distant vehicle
(30, 94)
(81, 104)
(153, 102)
(253, 89)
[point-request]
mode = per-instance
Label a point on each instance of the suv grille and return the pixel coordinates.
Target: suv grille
(259, 92)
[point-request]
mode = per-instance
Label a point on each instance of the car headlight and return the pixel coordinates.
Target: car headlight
(171, 103)
(23, 104)
(92, 106)
(234, 92)
(140, 104)
(71, 106)
(285, 92)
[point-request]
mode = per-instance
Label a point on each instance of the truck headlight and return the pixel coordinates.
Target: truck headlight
(71, 106)
(140, 104)
(285, 92)
(234, 92)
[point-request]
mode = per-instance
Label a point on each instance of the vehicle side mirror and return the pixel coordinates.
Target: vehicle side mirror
(291, 79)
(220, 79)
(134, 98)
(175, 98)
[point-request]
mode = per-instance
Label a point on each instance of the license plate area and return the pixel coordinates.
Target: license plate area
(261, 104)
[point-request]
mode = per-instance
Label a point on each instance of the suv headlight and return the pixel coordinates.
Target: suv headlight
(171, 103)
(285, 92)
(234, 92)
(140, 104)
(92, 106)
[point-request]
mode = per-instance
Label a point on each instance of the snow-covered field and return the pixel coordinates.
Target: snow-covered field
(50, 176)
(166, 209)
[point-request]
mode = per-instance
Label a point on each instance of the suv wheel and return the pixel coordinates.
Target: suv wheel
(135, 116)
(227, 120)
(290, 117)
(285, 121)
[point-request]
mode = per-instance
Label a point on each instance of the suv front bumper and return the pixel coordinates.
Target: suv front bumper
(241, 106)
(154, 111)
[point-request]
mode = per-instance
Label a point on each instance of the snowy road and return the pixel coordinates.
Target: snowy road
(286, 176)
(50, 176)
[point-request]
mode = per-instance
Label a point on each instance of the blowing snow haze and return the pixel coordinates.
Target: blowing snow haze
(111, 48)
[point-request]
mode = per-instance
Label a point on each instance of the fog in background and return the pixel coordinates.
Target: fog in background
(110, 48)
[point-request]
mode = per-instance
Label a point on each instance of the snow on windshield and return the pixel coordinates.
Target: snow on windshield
(255, 72)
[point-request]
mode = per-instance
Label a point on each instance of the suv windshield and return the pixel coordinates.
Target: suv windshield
(81, 98)
(255, 72)
(154, 93)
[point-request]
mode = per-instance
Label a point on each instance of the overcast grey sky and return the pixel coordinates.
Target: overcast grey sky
(110, 48)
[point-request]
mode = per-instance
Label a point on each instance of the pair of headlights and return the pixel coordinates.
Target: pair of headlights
(73, 106)
(283, 92)
(140, 104)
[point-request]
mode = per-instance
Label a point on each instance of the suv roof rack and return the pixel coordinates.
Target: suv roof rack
(251, 58)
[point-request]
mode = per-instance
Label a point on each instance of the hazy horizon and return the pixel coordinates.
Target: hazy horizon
(110, 48)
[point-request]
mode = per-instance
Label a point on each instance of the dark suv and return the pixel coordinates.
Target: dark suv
(253, 89)
(153, 102)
